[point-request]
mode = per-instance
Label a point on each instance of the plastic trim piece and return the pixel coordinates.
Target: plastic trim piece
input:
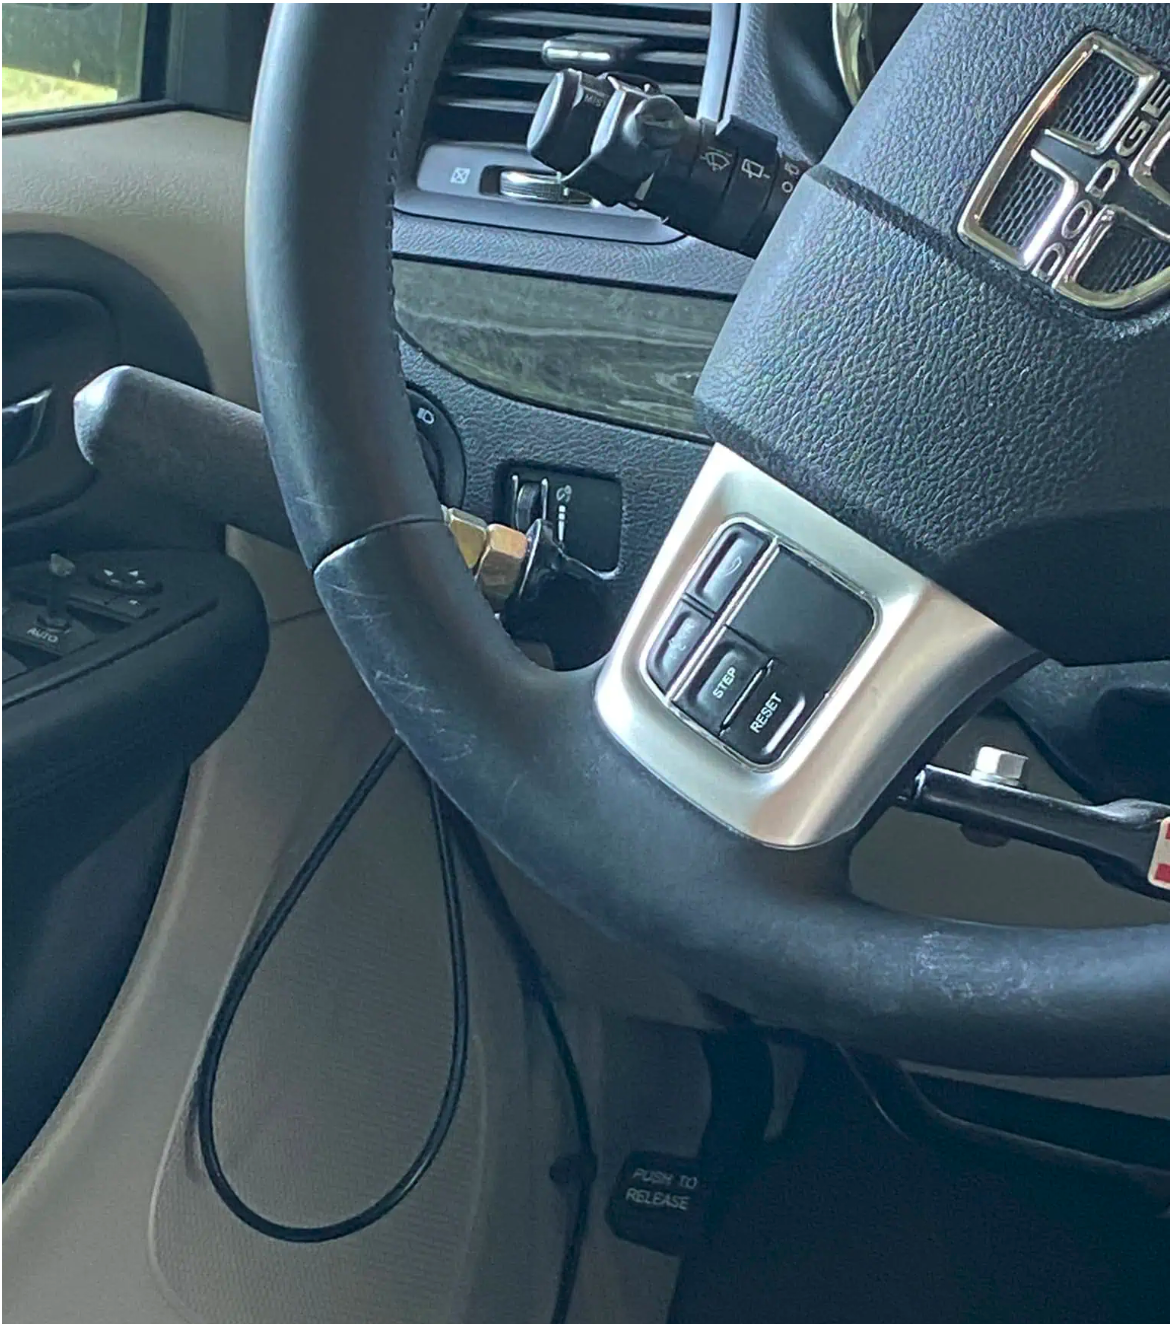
(927, 654)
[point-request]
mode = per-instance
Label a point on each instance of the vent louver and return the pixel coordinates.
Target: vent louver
(494, 72)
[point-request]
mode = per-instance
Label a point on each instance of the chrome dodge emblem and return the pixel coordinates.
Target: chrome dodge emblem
(1078, 194)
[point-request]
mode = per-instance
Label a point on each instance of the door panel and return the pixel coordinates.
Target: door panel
(70, 312)
(52, 338)
(165, 195)
(96, 742)
(68, 944)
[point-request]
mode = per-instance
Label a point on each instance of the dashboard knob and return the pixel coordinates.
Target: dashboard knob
(566, 119)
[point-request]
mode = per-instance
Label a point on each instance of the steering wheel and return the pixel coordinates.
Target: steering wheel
(939, 436)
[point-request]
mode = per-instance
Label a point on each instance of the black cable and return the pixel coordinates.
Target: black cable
(242, 977)
(579, 1169)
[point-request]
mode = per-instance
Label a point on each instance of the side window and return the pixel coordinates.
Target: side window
(69, 56)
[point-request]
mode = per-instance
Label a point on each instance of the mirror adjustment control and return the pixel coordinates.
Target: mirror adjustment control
(679, 639)
(125, 579)
(768, 718)
(721, 681)
(726, 566)
(442, 450)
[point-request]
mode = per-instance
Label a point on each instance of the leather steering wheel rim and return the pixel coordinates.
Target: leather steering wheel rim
(519, 749)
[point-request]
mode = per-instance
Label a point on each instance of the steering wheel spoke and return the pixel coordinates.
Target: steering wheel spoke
(780, 670)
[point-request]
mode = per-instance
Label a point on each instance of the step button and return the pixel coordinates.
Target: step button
(720, 682)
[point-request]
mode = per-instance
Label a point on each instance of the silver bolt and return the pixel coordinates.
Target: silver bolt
(999, 766)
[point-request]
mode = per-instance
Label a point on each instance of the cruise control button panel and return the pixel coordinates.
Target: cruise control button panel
(865, 659)
(756, 641)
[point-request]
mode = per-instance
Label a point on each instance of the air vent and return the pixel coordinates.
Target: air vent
(495, 71)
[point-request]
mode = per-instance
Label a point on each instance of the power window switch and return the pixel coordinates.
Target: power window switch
(25, 624)
(128, 609)
(91, 598)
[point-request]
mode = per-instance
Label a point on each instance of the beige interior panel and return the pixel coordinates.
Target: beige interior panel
(166, 194)
(109, 1218)
(329, 1084)
(91, 1229)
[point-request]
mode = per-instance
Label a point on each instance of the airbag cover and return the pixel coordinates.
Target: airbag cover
(1021, 463)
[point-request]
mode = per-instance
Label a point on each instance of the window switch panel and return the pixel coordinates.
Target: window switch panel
(25, 623)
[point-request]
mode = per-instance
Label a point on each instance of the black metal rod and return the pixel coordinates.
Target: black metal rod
(1118, 839)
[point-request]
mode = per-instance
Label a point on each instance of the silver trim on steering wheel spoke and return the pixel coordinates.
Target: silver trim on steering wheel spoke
(926, 655)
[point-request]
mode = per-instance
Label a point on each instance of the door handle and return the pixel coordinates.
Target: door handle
(23, 422)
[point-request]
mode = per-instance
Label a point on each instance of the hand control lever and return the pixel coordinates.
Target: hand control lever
(213, 455)
(1127, 841)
